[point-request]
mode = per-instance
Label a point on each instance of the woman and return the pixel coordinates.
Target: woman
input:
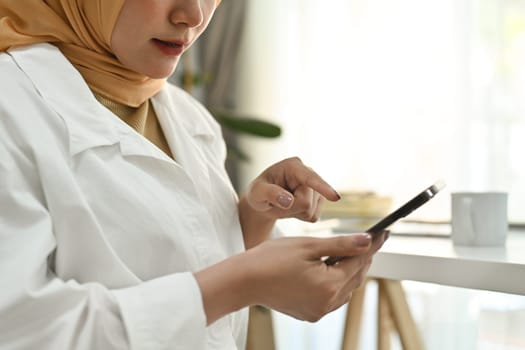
(119, 228)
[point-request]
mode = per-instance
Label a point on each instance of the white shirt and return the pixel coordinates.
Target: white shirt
(100, 231)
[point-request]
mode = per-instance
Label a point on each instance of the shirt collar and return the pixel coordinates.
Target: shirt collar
(89, 123)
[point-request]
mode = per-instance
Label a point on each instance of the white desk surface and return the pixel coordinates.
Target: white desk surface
(434, 259)
(437, 260)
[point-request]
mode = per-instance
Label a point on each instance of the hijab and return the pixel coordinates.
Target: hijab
(82, 30)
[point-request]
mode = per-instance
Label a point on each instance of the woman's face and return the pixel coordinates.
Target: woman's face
(150, 35)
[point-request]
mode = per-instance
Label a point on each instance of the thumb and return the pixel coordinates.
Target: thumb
(347, 245)
(264, 196)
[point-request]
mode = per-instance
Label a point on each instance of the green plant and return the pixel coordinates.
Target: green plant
(245, 125)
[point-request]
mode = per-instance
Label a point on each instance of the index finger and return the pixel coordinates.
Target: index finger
(310, 178)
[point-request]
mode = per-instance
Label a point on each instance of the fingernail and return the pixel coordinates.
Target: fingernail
(363, 239)
(336, 193)
(285, 200)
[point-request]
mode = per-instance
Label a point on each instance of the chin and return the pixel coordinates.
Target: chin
(160, 72)
(159, 75)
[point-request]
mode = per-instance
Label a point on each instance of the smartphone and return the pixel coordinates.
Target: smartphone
(399, 213)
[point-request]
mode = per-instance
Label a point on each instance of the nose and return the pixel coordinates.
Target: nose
(187, 12)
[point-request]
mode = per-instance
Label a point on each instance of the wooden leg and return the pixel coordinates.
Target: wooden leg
(353, 319)
(260, 329)
(403, 321)
(384, 319)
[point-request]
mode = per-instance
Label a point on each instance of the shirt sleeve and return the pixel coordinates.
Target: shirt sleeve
(38, 310)
(152, 313)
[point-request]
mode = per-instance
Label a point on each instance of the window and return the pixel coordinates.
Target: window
(390, 96)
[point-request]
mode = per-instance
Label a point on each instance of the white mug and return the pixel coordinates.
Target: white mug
(479, 218)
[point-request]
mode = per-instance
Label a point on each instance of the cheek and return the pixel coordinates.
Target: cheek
(131, 23)
(118, 36)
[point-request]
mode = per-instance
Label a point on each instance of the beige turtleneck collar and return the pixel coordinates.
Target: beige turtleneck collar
(142, 119)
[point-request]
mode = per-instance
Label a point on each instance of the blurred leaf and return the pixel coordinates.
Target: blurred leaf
(236, 153)
(248, 125)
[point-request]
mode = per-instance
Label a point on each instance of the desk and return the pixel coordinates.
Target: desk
(431, 257)
(432, 260)
(437, 260)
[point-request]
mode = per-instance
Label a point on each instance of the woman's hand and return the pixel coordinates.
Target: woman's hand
(287, 189)
(295, 280)
(289, 275)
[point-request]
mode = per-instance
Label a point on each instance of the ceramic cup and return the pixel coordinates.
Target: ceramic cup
(479, 218)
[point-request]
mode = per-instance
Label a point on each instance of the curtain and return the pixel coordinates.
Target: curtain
(218, 51)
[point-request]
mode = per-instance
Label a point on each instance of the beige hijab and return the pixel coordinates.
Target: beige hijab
(82, 30)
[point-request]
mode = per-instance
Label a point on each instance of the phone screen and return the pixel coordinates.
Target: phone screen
(399, 213)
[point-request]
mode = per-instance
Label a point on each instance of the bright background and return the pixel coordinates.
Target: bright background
(389, 96)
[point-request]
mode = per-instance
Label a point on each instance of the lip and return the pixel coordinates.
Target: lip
(170, 47)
